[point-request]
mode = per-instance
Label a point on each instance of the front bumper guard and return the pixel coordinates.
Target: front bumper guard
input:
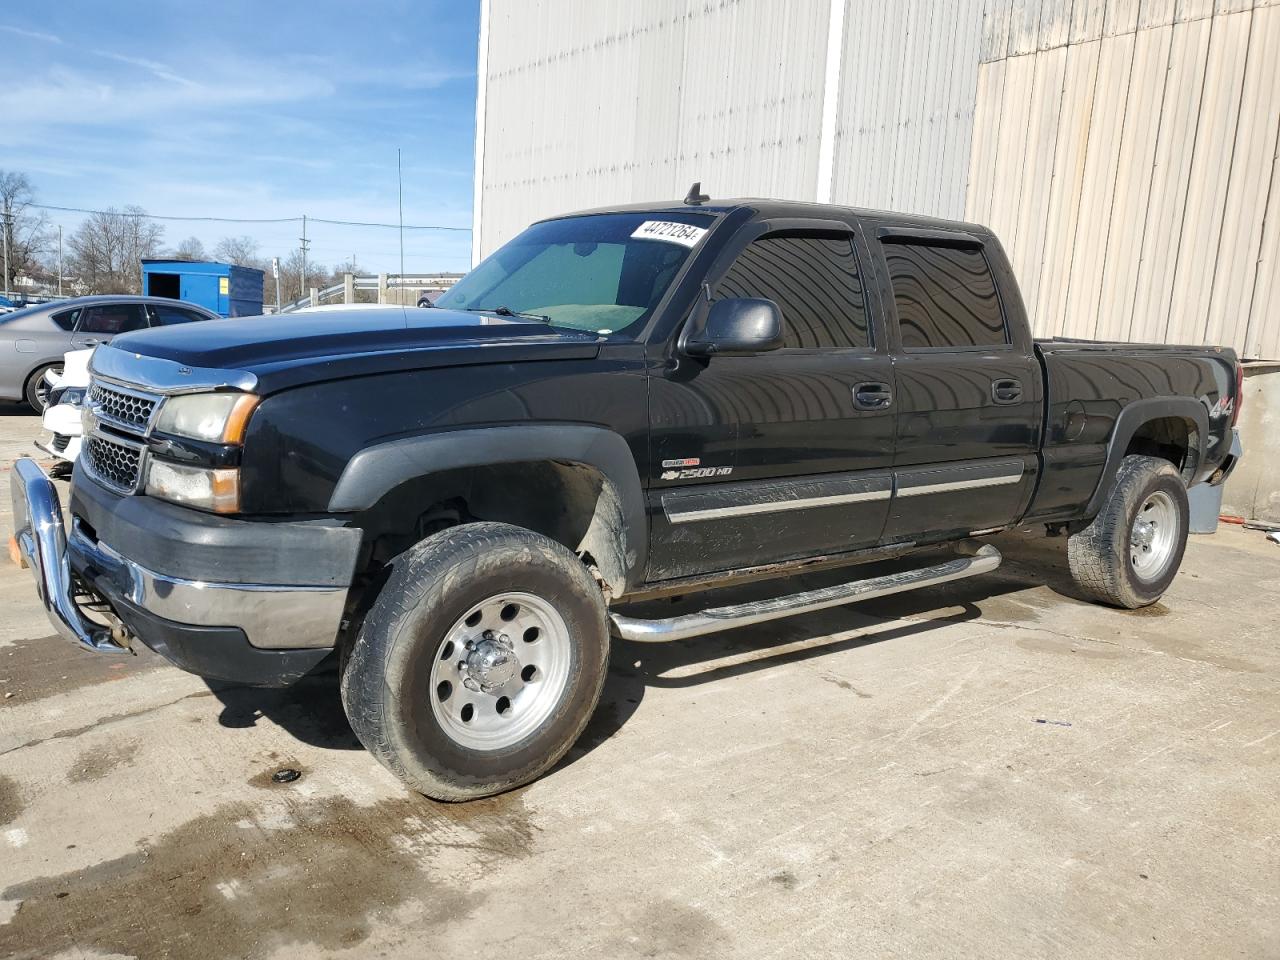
(42, 545)
(272, 617)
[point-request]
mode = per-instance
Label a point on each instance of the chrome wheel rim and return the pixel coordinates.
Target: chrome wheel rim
(1153, 537)
(500, 671)
(43, 388)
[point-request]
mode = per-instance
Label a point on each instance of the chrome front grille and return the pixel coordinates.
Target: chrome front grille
(117, 464)
(126, 409)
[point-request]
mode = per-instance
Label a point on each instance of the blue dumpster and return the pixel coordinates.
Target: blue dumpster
(221, 287)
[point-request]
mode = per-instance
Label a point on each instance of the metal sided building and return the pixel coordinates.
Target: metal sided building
(224, 288)
(1126, 151)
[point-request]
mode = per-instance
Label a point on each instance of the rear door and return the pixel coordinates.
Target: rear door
(786, 454)
(100, 322)
(968, 399)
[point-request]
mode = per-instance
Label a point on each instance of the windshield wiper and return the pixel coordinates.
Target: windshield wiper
(507, 312)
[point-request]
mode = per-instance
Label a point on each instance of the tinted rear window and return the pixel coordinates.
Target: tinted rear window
(945, 297)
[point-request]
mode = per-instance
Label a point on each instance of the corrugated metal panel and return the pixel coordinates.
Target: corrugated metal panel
(1155, 218)
(1055, 24)
(1011, 147)
(1048, 315)
(1027, 245)
(986, 137)
(1175, 144)
(907, 92)
(1252, 162)
(1093, 228)
(601, 103)
(1207, 181)
(1134, 168)
(1087, 17)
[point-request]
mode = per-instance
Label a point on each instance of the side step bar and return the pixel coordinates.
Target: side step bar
(982, 559)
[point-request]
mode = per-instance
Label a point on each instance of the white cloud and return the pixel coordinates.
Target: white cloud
(154, 67)
(67, 97)
(31, 34)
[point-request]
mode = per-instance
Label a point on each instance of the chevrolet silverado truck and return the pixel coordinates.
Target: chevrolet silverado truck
(462, 504)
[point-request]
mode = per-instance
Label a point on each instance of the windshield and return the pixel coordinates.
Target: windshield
(603, 273)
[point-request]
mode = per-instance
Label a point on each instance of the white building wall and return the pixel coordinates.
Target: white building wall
(908, 89)
(589, 103)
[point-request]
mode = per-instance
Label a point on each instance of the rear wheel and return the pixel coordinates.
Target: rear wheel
(37, 388)
(1130, 553)
(480, 662)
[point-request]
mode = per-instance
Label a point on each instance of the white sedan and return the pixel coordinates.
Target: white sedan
(62, 415)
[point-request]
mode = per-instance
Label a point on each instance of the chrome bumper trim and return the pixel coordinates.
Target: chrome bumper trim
(983, 559)
(42, 544)
(272, 616)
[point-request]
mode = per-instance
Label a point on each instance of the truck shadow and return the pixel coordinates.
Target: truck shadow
(311, 710)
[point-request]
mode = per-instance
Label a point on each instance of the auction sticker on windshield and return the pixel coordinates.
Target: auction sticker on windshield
(668, 231)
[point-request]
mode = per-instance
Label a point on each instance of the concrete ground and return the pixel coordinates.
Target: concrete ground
(988, 769)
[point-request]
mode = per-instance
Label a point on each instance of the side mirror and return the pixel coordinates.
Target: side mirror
(736, 327)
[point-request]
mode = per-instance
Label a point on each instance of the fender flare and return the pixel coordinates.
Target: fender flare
(378, 469)
(1130, 420)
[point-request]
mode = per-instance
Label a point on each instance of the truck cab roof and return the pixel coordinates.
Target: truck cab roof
(768, 209)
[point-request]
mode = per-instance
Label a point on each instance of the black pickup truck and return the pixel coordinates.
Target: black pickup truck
(461, 502)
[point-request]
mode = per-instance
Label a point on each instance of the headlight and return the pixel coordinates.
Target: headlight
(72, 396)
(216, 417)
(216, 489)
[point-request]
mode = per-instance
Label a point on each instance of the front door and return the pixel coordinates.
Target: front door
(788, 454)
(968, 390)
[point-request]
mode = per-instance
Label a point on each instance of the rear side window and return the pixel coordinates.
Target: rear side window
(945, 297)
(167, 316)
(112, 318)
(67, 319)
(814, 281)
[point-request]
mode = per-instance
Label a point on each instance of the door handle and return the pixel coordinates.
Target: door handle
(872, 395)
(1006, 391)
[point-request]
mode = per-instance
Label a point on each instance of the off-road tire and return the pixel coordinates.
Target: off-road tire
(386, 687)
(31, 391)
(1099, 555)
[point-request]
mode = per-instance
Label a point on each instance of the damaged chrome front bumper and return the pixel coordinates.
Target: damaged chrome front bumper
(40, 542)
(270, 616)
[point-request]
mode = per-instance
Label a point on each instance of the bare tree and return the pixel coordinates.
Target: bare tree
(242, 251)
(190, 249)
(107, 249)
(26, 232)
(290, 275)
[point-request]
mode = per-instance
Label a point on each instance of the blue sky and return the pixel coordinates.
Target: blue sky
(244, 109)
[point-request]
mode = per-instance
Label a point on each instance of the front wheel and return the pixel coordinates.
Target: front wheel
(37, 388)
(480, 662)
(1130, 553)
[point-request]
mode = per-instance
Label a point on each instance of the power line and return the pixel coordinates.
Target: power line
(337, 223)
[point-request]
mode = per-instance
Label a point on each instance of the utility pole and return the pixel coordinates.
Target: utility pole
(5, 217)
(59, 259)
(400, 184)
(302, 282)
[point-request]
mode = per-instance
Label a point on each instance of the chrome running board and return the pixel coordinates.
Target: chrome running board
(981, 559)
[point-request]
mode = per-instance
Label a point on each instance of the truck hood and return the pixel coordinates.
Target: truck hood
(293, 349)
